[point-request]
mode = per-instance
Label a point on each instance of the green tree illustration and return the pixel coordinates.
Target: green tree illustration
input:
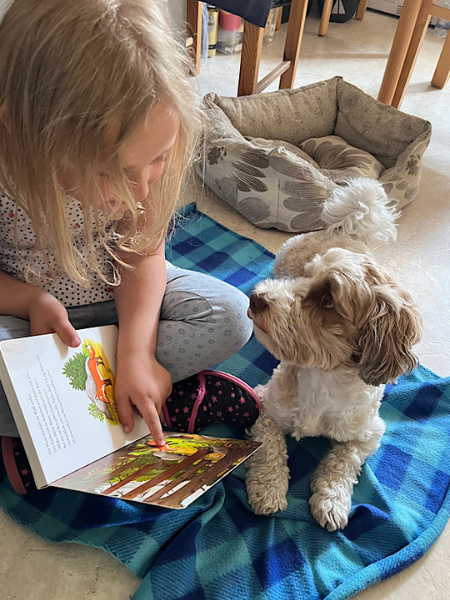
(75, 370)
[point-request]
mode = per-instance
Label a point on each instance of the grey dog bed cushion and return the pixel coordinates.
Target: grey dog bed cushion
(331, 155)
(277, 157)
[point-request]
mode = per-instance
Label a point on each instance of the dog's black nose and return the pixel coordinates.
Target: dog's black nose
(257, 303)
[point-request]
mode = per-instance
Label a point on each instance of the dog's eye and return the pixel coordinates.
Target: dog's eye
(327, 300)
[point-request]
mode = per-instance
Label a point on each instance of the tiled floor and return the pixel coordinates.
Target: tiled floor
(420, 258)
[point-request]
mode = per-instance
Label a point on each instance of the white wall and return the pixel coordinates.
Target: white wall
(178, 12)
(177, 8)
(3, 6)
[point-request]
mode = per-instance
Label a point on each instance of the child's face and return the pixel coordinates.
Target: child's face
(142, 156)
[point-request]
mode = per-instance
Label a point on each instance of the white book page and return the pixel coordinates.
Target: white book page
(69, 420)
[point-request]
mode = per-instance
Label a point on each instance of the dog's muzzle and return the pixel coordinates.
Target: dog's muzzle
(257, 304)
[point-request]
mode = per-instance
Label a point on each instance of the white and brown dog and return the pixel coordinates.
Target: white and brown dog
(342, 328)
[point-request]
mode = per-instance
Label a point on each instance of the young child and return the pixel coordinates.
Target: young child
(97, 127)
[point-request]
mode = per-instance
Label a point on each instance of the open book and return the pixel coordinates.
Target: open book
(62, 400)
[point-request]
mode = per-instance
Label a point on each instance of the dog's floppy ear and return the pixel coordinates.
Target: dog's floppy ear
(392, 326)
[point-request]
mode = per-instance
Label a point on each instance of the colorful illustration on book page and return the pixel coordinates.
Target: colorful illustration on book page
(172, 476)
(90, 371)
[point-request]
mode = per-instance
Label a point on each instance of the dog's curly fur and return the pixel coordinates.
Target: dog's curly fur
(342, 328)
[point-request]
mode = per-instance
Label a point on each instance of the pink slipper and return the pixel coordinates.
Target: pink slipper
(17, 465)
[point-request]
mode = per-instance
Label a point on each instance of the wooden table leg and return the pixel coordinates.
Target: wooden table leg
(294, 36)
(399, 50)
(194, 29)
(442, 73)
(420, 30)
(361, 10)
(325, 18)
(250, 59)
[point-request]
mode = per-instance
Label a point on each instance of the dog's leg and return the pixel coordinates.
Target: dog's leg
(267, 479)
(332, 483)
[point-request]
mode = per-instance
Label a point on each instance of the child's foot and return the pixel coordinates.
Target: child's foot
(17, 465)
(210, 397)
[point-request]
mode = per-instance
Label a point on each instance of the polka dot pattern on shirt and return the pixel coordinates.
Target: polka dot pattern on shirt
(46, 274)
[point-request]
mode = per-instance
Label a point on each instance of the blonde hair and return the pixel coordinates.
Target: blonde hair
(69, 71)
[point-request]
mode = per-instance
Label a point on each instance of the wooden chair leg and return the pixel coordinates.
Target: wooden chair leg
(442, 73)
(399, 49)
(361, 10)
(250, 59)
(325, 18)
(194, 29)
(294, 35)
(419, 32)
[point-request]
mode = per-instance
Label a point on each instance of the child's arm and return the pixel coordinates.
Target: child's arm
(140, 380)
(45, 313)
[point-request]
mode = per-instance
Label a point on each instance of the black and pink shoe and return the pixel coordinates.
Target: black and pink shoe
(17, 465)
(210, 397)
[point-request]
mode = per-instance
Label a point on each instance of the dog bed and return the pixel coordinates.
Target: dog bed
(217, 548)
(276, 157)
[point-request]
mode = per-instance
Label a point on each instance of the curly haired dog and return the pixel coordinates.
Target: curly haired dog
(342, 328)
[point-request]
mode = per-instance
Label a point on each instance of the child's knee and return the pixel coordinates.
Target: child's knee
(235, 320)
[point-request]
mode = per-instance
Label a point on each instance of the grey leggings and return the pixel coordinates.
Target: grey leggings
(203, 321)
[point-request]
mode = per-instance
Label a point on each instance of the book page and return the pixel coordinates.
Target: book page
(66, 397)
(173, 476)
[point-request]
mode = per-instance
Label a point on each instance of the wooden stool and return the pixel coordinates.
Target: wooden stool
(251, 49)
(251, 53)
(326, 13)
(411, 30)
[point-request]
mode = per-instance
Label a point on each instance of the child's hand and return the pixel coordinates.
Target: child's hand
(143, 383)
(48, 315)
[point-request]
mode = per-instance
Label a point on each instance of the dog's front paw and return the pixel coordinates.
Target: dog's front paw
(266, 498)
(331, 510)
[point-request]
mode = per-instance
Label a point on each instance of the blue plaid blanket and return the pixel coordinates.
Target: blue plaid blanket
(217, 548)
